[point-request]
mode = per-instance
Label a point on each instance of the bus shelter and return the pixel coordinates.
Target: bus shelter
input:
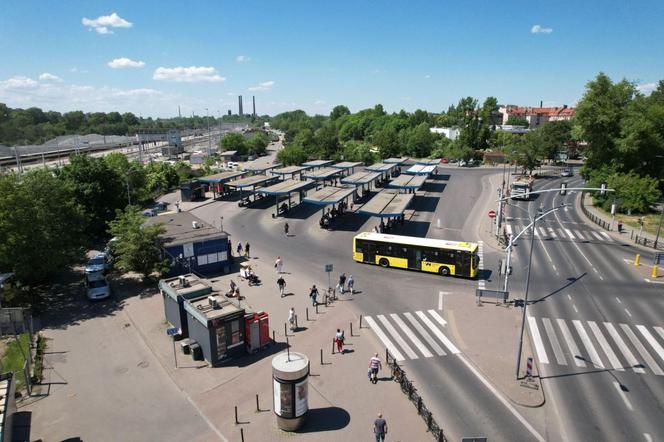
(409, 183)
(397, 161)
(217, 181)
(317, 164)
(261, 166)
(323, 174)
(387, 204)
(384, 169)
(285, 188)
(428, 162)
(250, 183)
(419, 169)
(289, 170)
(347, 167)
(361, 179)
(330, 195)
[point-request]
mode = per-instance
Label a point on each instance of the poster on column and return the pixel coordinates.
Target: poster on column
(301, 401)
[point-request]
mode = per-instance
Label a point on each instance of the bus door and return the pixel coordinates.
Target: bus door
(462, 264)
(415, 259)
(370, 252)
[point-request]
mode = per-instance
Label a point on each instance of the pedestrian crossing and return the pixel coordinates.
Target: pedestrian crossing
(598, 345)
(562, 233)
(412, 335)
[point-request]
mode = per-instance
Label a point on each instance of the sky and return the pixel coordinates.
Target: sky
(149, 57)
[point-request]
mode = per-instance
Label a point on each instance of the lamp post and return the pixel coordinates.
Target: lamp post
(207, 117)
(659, 227)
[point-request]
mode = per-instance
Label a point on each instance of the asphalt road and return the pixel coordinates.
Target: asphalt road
(463, 405)
(598, 323)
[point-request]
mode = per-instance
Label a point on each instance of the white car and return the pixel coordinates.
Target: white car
(97, 288)
(232, 165)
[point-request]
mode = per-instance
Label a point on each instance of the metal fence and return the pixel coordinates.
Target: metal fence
(409, 390)
(15, 321)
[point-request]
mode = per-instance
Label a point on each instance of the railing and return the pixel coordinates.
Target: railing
(409, 390)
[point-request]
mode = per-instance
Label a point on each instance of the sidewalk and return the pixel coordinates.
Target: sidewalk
(342, 403)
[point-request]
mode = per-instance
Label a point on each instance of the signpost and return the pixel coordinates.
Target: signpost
(328, 270)
(172, 331)
(492, 213)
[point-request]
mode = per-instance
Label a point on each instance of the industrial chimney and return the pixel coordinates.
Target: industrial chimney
(253, 99)
(239, 101)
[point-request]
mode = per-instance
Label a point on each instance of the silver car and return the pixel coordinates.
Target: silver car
(96, 289)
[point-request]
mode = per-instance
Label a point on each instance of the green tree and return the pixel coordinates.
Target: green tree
(42, 228)
(257, 145)
(555, 134)
(160, 177)
(387, 140)
(634, 193)
(233, 141)
(339, 111)
(139, 247)
(528, 151)
(517, 121)
(293, 154)
(359, 151)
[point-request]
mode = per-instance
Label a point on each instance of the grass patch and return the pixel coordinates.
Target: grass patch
(38, 371)
(13, 358)
(649, 226)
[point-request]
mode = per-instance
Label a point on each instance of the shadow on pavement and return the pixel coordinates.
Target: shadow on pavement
(425, 203)
(302, 211)
(21, 424)
(570, 281)
(348, 222)
(325, 419)
(431, 186)
(245, 361)
(412, 228)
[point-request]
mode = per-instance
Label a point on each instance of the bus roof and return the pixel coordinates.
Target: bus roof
(416, 241)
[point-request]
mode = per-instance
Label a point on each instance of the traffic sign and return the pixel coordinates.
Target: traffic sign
(492, 213)
(328, 267)
(172, 331)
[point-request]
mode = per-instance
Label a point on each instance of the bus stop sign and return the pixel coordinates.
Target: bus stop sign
(328, 268)
(492, 213)
(172, 331)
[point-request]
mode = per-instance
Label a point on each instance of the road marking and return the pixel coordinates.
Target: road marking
(579, 235)
(397, 337)
(552, 232)
(451, 347)
(537, 341)
(425, 351)
(569, 297)
(440, 300)
(660, 330)
(508, 229)
(623, 396)
(631, 360)
(652, 341)
(570, 343)
(569, 233)
(628, 313)
(557, 349)
(613, 359)
(647, 437)
(618, 299)
(537, 235)
(427, 337)
(650, 362)
(606, 235)
(386, 341)
(587, 343)
(597, 235)
(542, 231)
(575, 309)
(439, 319)
(502, 400)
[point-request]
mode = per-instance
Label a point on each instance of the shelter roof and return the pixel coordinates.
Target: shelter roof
(329, 195)
(284, 187)
(408, 181)
(387, 204)
(359, 178)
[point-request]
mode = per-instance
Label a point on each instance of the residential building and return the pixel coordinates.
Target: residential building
(537, 116)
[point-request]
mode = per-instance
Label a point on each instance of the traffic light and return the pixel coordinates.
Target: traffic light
(563, 189)
(602, 189)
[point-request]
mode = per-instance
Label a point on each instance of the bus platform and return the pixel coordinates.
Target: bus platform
(285, 188)
(347, 167)
(251, 183)
(334, 196)
(322, 174)
(288, 170)
(421, 169)
(409, 183)
(387, 204)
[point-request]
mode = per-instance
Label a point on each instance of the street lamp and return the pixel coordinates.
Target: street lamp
(207, 117)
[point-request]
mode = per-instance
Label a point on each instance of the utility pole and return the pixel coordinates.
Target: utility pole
(499, 215)
(207, 117)
(659, 227)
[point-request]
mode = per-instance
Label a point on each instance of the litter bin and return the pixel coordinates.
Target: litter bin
(290, 376)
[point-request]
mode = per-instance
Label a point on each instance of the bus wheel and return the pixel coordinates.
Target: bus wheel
(384, 262)
(444, 271)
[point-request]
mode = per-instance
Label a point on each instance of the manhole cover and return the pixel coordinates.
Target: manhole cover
(143, 364)
(121, 370)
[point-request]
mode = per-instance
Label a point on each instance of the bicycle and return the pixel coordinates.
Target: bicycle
(331, 294)
(397, 374)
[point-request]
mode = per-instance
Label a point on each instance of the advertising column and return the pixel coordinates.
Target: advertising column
(290, 375)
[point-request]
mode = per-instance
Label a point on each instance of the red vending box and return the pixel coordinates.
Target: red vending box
(251, 333)
(264, 328)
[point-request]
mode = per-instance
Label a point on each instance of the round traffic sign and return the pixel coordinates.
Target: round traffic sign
(492, 213)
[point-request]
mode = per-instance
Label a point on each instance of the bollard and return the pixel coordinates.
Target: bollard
(242, 434)
(637, 259)
(296, 326)
(321, 356)
(236, 421)
(273, 338)
(654, 272)
(441, 436)
(419, 405)
(258, 408)
(360, 321)
(316, 308)
(332, 346)
(307, 311)
(351, 328)
(387, 359)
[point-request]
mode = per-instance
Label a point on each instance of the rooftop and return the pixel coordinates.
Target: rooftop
(180, 228)
(192, 285)
(205, 309)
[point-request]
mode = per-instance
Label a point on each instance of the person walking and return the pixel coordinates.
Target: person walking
(380, 428)
(286, 229)
(374, 365)
(239, 249)
(620, 226)
(281, 282)
(313, 294)
(246, 250)
(351, 283)
(291, 318)
(342, 283)
(339, 339)
(279, 265)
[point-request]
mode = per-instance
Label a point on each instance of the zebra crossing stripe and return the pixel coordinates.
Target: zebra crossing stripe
(570, 343)
(439, 319)
(606, 235)
(587, 343)
(537, 235)
(425, 334)
(579, 234)
(660, 330)
(386, 341)
(397, 337)
(613, 359)
(543, 231)
(508, 229)
(537, 341)
(652, 341)
(631, 360)
(650, 362)
(569, 233)
(597, 235)
(557, 349)
(552, 232)
(425, 351)
(451, 347)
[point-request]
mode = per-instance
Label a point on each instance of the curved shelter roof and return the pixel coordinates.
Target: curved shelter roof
(380, 167)
(324, 173)
(250, 181)
(329, 195)
(420, 169)
(387, 203)
(285, 187)
(395, 160)
(221, 177)
(360, 178)
(407, 182)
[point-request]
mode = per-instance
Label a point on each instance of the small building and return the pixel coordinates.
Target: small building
(496, 157)
(175, 291)
(192, 245)
(198, 158)
(229, 155)
(450, 132)
(216, 324)
(192, 190)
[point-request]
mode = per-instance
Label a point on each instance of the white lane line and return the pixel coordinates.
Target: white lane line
(570, 343)
(502, 400)
(652, 341)
(552, 232)
(557, 349)
(575, 309)
(622, 394)
(425, 351)
(597, 235)
(537, 235)
(618, 299)
(660, 330)
(628, 313)
(579, 235)
(439, 319)
(427, 337)
(608, 351)
(446, 342)
(440, 300)
(647, 437)
(606, 235)
(537, 341)
(397, 337)
(543, 231)
(631, 360)
(569, 297)
(650, 362)
(386, 341)
(569, 233)
(508, 229)
(587, 343)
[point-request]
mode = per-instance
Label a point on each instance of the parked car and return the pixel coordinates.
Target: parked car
(232, 165)
(98, 263)
(160, 206)
(566, 173)
(444, 161)
(462, 163)
(97, 288)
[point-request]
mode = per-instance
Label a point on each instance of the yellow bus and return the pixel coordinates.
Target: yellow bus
(424, 254)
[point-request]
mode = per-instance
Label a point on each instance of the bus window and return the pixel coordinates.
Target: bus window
(359, 246)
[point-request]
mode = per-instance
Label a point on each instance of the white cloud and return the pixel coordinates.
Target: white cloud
(646, 88)
(427, 76)
(264, 86)
(124, 62)
(230, 93)
(243, 59)
(49, 77)
(189, 74)
(102, 23)
(18, 83)
(537, 29)
(319, 102)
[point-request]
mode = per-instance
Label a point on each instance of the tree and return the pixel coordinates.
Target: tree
(74, 120)
(387, 140)
(139, 247)
(419, 141)
(554, 136)
(257, 145)
(528, 151)
(339, 111)
(634, 193)
(293, 154)
(42, 228)
(234, 141)
(359, 151)
(517, 121)
(160, 177)
(133, 174)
